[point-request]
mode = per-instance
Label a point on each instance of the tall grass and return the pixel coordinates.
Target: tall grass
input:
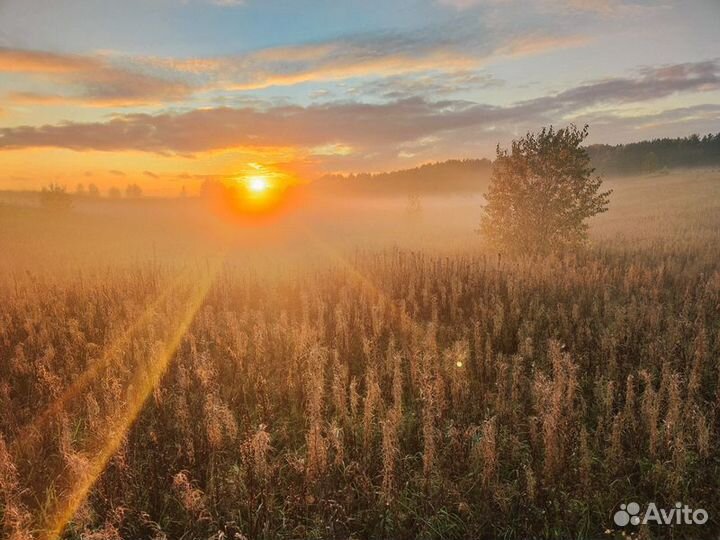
(395, 394)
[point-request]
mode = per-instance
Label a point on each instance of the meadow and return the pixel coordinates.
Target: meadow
(358, 372)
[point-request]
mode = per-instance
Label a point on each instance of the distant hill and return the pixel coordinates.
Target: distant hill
(453, 176)
(650, 156)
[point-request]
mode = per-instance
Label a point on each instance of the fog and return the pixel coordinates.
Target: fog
(102, 232)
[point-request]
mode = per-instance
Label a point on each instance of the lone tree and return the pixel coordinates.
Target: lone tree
(541, 193)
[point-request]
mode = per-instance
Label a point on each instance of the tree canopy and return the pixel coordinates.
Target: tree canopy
(542, 191)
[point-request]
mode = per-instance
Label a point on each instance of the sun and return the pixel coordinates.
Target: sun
(258, 194)
(257, 184)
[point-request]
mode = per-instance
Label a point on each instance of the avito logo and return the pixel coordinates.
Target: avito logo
(680, 514)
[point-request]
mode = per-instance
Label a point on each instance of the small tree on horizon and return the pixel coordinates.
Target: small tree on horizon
(542, 192)
(133, 191)
(55, 198)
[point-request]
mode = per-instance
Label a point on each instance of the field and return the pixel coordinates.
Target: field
(363, 372)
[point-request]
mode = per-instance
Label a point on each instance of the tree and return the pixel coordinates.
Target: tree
(650, 162)
(541, 193)
(55, 198)
(133, 191)
(114, 193)
(413, 209)
(93, 191)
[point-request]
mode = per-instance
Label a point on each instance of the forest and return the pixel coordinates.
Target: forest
(473, 175)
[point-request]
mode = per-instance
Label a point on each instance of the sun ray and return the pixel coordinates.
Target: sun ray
(87, 377)
(365, 283)
(143, 382)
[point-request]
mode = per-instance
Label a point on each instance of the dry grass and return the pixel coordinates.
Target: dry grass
(391, 394)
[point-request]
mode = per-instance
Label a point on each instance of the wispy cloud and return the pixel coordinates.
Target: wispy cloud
(228, 3)
(359, 126)
(606, 7)
(429, 85)
(445, 49)
(117, 80)
(649, 83)
(91, 80)
(611, 126)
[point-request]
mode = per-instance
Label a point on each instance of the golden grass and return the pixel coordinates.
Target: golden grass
(434, 393)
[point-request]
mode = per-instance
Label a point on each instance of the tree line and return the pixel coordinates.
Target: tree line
(455, 175)
(56, 197)
(472, 175)
(657, 154)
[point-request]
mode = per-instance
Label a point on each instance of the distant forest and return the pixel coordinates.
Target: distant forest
(651, 156)
(455, 175)
(473, 175)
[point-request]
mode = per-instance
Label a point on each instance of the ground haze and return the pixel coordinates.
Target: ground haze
(356, 368)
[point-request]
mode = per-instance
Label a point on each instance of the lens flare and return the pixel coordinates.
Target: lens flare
(144, 379)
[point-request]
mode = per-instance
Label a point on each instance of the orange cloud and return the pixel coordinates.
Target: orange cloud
(378, 67)
(94, 81)
(533, 45)
(23, 61)
(378, 56)
(340, 133)
(116, 80)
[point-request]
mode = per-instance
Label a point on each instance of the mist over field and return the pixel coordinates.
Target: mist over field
(104, 232)
(391, 269)
(351, 367)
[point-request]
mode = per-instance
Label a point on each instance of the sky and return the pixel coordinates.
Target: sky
(170, 93)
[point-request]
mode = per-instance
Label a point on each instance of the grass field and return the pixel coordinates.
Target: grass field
(360, 373)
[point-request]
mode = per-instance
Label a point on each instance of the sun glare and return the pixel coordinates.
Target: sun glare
(257, 184)
(258, 192)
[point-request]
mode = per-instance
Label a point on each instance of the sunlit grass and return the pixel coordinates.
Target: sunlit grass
(375, 393)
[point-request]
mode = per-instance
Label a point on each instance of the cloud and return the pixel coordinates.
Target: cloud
(444, 48)
(532, 44)
(91, 80)
(368, 55)
(606, 7)
(23, 61)
(214, 129)
(670, 123)
(429, 85)
(117, 80)
(649, 83)
(461, 4)
(450, 78)
(362, 130)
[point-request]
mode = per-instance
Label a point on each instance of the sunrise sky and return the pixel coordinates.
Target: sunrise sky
(167, 93)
